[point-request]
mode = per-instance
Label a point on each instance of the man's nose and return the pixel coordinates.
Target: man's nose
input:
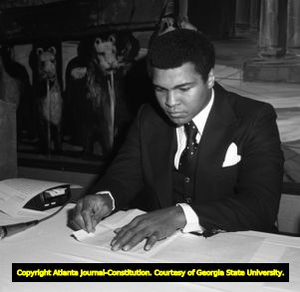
(171, 99)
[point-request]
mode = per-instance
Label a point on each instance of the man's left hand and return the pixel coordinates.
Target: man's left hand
(152, 226)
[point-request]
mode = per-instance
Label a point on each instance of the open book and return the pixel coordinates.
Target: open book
(15, 193)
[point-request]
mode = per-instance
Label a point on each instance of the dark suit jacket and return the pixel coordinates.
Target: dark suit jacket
(239, 197)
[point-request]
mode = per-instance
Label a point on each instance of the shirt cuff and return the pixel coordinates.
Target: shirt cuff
(111, 196)
(192, 220)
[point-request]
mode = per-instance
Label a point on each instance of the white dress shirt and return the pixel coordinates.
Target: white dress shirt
(200, 121)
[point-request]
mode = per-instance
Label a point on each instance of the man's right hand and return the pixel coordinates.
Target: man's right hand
(90, 210)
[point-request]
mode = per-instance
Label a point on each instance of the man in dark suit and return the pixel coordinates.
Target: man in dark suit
(204, 159)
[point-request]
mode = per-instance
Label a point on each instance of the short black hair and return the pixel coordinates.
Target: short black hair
(180, 46)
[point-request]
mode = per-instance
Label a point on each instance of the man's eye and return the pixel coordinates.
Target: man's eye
(184, 89)
(157, 89)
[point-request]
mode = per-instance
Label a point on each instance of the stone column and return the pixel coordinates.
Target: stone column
(279, 34)
(272, 33)
(293, 27)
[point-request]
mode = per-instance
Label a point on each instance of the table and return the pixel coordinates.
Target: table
(51, 241)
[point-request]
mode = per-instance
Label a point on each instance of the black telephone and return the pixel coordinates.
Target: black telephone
(50, 198)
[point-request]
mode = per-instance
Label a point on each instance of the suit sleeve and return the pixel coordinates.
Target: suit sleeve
(254, 201)
(123, 178)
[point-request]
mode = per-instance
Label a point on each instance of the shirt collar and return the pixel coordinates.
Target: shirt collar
(201, 118)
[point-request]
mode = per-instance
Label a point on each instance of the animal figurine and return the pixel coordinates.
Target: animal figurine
(49, 99)
(101, 90)
(100, 71)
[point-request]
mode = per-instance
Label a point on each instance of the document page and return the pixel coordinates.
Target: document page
(104, 232)
(16, 192)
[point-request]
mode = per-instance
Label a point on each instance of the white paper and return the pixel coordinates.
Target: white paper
(16, 192)
(104, 233)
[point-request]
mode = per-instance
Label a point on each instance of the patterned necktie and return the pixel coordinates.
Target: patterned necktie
(191, 147)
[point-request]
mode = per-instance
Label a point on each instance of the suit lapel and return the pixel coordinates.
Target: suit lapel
(218, 134)
(162, 148)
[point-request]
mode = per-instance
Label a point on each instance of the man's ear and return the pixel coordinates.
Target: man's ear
(211, 79)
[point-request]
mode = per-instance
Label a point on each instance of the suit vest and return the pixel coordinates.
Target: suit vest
(184, 183)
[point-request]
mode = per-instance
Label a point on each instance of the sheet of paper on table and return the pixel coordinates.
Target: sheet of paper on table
(104, 232)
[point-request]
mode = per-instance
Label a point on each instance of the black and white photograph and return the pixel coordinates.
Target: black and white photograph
(150, 145)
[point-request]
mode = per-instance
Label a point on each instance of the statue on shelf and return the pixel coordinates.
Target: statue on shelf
(97, 107)
(48, 97)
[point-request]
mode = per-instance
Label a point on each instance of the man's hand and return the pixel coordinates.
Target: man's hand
(153, 226)
(90, 210)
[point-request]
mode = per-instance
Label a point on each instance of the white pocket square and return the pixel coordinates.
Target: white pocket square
(231, 156)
